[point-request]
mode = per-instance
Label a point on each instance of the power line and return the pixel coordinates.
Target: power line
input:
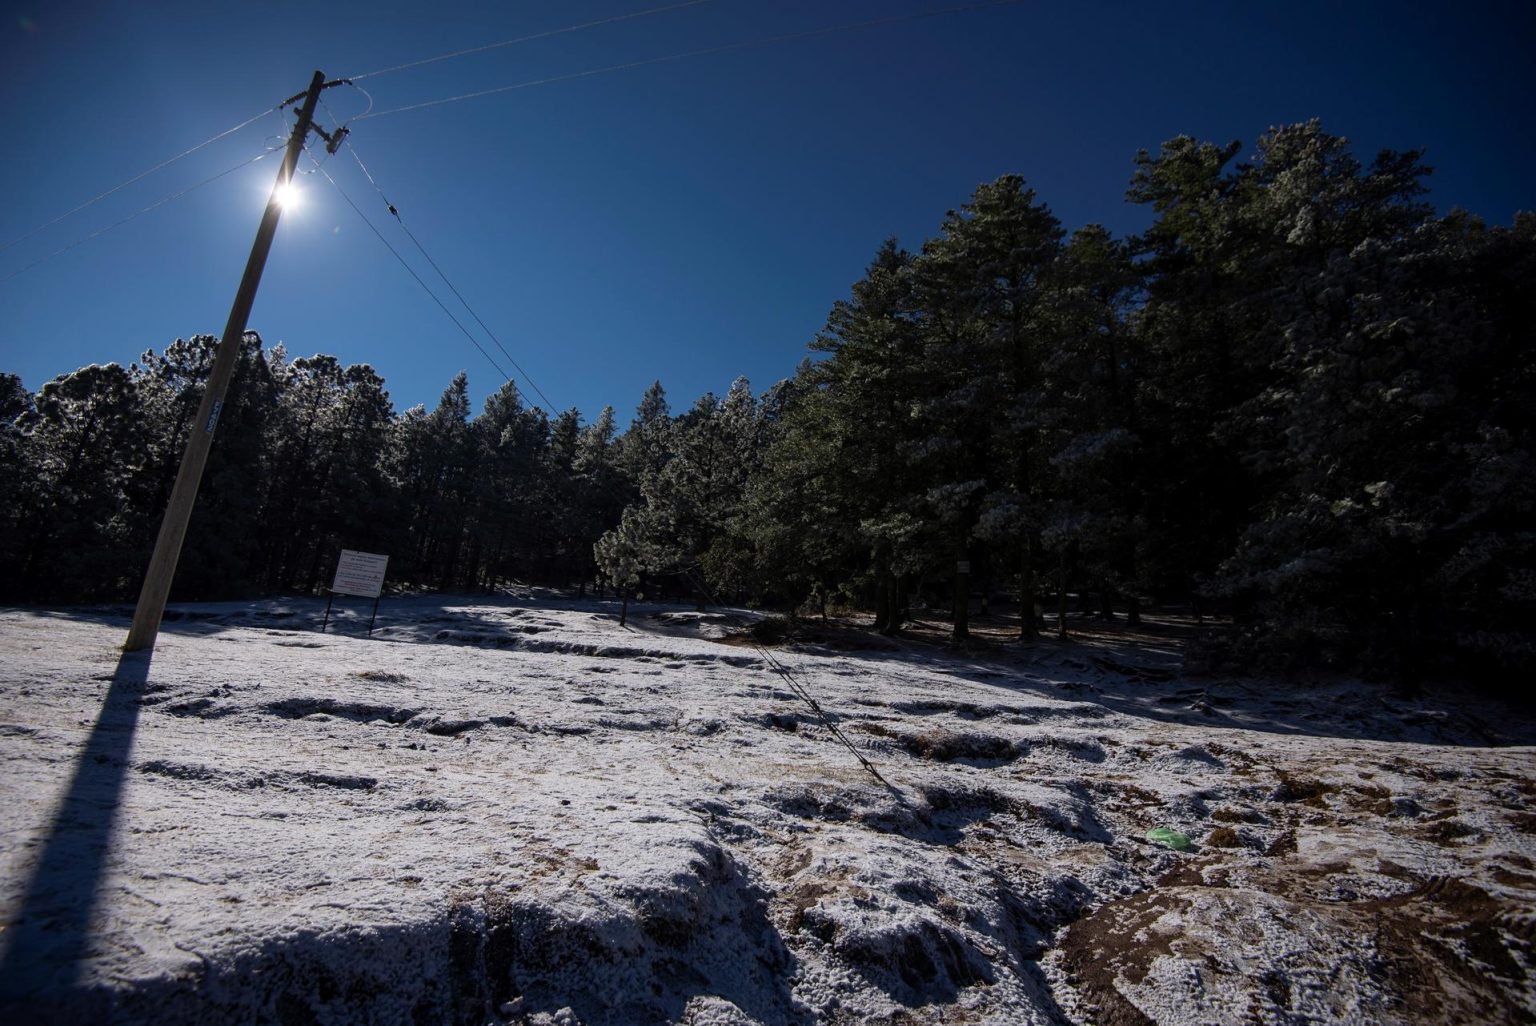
(528, 39)
(800, 690)
(827, 721)
(409, 269)
(158, 203)
(141, 175)
(795, 685)
(549, 406)
(773, 662)
(727, 48)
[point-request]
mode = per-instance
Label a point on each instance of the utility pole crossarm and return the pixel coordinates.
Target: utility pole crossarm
(173, 529)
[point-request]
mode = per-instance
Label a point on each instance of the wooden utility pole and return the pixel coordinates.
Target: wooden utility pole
(173, 529)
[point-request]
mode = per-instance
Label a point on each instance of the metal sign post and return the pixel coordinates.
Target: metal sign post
(360, 574)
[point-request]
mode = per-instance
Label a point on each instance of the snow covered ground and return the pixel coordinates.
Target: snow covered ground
(519, 812)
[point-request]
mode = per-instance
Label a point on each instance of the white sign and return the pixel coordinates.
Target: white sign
(359, 573)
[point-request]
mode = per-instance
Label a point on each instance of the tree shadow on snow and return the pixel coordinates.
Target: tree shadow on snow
(1144, 680)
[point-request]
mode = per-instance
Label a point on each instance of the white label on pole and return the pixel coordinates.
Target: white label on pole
(963, 566)
(213, 417)
(359, 573)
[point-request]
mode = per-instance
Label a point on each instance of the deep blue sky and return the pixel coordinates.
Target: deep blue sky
(689, 221)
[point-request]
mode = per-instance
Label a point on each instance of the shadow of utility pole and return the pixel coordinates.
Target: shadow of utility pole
(48, 939)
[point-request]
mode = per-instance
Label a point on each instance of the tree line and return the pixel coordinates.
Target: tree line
(1299, 396)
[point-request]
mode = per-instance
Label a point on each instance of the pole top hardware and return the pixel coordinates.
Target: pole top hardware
(296, 97)
(332, 139)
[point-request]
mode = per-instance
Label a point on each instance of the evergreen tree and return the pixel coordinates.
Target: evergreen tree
(986, 285)
(435, 458)
(844, 469)
(625, 553)
(513, 500)
(16, 407)
(600, 489)
(223, 554)
(86, 443)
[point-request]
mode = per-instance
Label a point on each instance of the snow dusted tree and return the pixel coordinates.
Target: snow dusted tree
(1198, 256)
(985, 286)
(742, 427)
(1393, 536)
(330, 435)
(692, 474)
(1229, 243)
(647, 446)
(843, 475)
(510, 529)
(222, 555)
(435, 460)
(568, 553)
(796, 516)
(600, 490)
(15, 468)
(625, 553)
(1089, 421)
(86, 442)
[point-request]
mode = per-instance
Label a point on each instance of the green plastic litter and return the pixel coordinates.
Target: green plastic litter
(1169, 838)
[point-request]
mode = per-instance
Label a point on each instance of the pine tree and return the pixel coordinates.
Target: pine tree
(87, 441)
(434, 465)
(626, 553)
(16, 407)
(511, 529)
(224, 554)
(601, 489)
(985, 284)
(1090, 404)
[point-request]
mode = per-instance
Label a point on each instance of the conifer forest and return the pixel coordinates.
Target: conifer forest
(1301, 403)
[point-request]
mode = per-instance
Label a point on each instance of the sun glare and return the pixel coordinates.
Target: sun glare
(287, 196)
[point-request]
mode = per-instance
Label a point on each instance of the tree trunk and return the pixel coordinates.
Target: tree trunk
(1061, 596)
(1028, 589)
(624, 608)
(312, 582)
(986, 584)
(885, 614)
(962, 598)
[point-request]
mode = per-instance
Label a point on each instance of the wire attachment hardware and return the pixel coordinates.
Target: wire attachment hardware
(296, 97)
(333, 140)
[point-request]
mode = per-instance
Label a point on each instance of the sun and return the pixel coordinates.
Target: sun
(287, 196)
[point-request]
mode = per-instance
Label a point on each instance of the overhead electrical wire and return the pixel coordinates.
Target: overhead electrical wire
(773, 662)
(138, 177)
(409, 269)
(826, 719)
(144, 210)
(707, 51)
(800, 690)
(528, 38)
(548, 405)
